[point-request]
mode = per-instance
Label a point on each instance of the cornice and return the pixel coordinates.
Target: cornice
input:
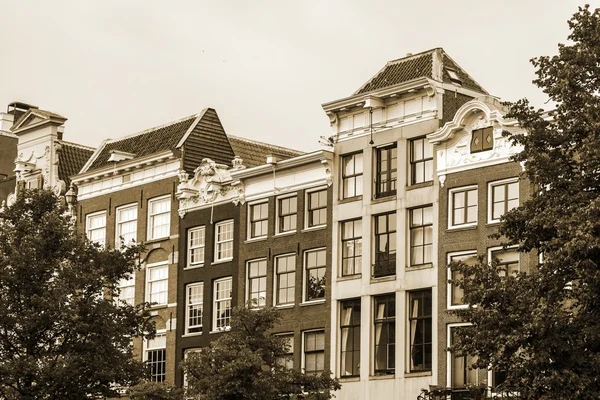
(317, 156)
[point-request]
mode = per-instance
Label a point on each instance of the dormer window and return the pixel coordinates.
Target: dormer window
(454, 76)
(482, 139)
(116, 156)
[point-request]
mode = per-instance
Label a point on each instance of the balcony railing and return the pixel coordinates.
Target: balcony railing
(384, 268)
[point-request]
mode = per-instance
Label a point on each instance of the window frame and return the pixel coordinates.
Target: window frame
(289, 357)
(449, 286)
(463, 189)
(252, 221)
(449, 354)
(490, 196)
(276, 274)
(384, 321)
(130, 284)
(308, 209)
(305, 276)
(279, 215)
(356, 177)
(413, 228)
(481, 132)
(217, 242)
(119, 223)
(87, 225)
(147, 350)
(354, 239)
(190, 248)
(391, 181)
(376, 239)
(425, 318)
(249, 279)
(160, 264)
(215, 318)
(151, 217)
(414, 162)
(188, 306)
(319, 351)
(354, 327)
(496, 249)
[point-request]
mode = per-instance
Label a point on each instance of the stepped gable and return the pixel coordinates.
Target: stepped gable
(254, 153)
(72, 158)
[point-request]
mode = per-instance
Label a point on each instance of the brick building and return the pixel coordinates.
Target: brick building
(384, 336)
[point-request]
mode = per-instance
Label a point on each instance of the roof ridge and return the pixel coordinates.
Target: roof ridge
(154, 128)
(81, 146)
(265, 143)
(406, 58)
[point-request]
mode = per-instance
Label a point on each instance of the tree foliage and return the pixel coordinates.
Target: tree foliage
(62, 336)
(147, 390)
(247, 364)
(543, 327)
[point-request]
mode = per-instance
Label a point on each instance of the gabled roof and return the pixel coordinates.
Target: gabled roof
(431, 64)
(72, 158)
(150, 141)
(254, 153)
(34, 117)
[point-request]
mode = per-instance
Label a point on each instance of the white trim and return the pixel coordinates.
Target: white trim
(275, 285)
(216, 237)
(451, 192)
(87, 224)
(490, 250)
(149, 216)
(449, 353)
(186, 326)
(449, 256)
(214, 304)
(117, 222)
(490, 186)
(303, 358)
(305, 276)
(247, 281)
(306, 205)
(283, 197)
(189, 248)
(154, 265)
(249, 219)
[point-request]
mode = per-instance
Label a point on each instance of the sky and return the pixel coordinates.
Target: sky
(116, 67)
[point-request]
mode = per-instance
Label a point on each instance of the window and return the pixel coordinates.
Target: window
(315, 267)
(194, 308)
(387, 171)
(287, 209)
(127, 224)
(508, 260)
(385, 334)
(503, 196)
(421, 235)
(257, 283)
(127, 290)
(482, 139)
(352, 171)
(461, 373)
(196, 242)
(419, 321)
(351, 247)
(421, 161)
(285, 279)
(259, 220)
(159, 217)
(317, 208)
(222, 304)
(158, 278)
(155, 356)
(314, 352)
(287, 360)
(463, 207)
(96, 227)
(385, 245)
(350, 337)
(455, 293)
(224, 241)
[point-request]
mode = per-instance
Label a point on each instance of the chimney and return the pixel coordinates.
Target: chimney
(17, 108)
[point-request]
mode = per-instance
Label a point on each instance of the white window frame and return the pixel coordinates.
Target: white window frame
(289, 334)
(130, 283)
(217, 243)
(186, 354)
(491, 250)
(305, 274)
(151, 216)
(248, 286)
(145, 342)
(188, 287)
(163, 264)
(490, 211)
(451, 193)
(118, 222)
(87, 225)
(277, 227)
(190, 248)
(303, 361)
(275, 283)
(249, 219)
(306, 210)
(214, 303)
(449, 256)
(449, 353)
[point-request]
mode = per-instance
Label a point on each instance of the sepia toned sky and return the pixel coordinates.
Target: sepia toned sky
(115, 67)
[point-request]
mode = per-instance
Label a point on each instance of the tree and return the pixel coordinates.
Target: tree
(542, 328)
(147, 390)
(248, 363)
(62, 336)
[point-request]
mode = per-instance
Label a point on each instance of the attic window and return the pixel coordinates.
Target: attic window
(482, 139)
(453, 76)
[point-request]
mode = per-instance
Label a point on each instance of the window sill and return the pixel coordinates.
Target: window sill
(314, 228)
(349, 378)
(286, 233)
(285, 306)
(459, 307)
(221, 330)
(349, 277)
(419, 267)
(377, 200)
(459, 228)
(222, 261)
(157, 307)
(350, 199)
(256, 239)
(419, 185)
(382, 377)
(312, 303)
(192, 334)
(157, 240)
(495, 222)
(383, 279)
(417, 374)
(194, 266)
